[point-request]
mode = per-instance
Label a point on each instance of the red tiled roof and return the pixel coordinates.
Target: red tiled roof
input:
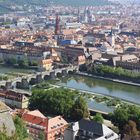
(36, 113)
(35, 120)
(56, 123)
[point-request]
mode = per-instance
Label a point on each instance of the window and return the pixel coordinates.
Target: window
(109, 136)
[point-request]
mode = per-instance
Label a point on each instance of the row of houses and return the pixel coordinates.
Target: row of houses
(57, 128)
(126, 61)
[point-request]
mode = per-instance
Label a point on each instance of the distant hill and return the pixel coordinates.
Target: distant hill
(81, 2)
(127, 1)
(64, 2)
(4, 4)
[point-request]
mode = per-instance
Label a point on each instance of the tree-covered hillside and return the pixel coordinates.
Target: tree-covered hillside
(5, 4)
(64, 2)
(81, 2)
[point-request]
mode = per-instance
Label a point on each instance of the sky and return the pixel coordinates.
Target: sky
(128, 1)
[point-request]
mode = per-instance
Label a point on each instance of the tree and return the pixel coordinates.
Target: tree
(33, 63)
(10, 61)
(43, 85)
(22, 63)
(98, 118)
(59, 101)
(114, 72)
(80, 109)
(20, 134)
(120, 117)
(131, 128)
(41, 136)
(21, 130)
(83, 67)
(123, 114)
(4, 136)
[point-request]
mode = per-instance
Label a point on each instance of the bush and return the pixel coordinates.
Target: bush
(98, 118)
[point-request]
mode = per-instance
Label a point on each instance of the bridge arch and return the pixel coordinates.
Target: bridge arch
(59, 74)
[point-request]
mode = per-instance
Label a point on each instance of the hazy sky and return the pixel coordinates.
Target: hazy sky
(130, 1)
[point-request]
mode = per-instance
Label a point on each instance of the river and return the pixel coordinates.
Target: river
(104, 87)
(5, 70)
(93, 85)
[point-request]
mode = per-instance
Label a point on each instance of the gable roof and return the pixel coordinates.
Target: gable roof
(36, 120)
(36, 113)
(91, 126)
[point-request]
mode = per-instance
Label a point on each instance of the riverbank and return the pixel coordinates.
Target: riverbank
(93, 105)
(109, 79)
(97, 94)
(101, 87)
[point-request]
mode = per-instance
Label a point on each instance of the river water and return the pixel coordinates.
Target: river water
(5, 70)
(104, 87)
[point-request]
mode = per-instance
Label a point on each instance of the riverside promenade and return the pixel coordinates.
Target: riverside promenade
(109, 79)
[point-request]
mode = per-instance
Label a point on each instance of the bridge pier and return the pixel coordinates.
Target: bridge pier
(24, 83)
(47, 77)
(64, 73)
(8, 85)
(52, 75)
(32, 81)
(18, 85)
(39, 78)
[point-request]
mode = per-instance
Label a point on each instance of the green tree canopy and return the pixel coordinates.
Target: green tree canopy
(41, 136)
(80, 109)
(123, 114)
(98, 118)
(21, 130)
(20, 134)
(59, 101)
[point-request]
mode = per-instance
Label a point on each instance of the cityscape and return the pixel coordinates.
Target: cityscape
(69, 70)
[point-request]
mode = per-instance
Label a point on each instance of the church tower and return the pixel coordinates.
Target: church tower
(112, 39)
(57, 25)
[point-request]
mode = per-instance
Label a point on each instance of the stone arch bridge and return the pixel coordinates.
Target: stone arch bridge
(25, 82)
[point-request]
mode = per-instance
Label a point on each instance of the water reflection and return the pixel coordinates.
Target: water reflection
(126, 92)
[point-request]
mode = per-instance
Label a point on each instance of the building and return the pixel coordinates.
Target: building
(46, 64)
(89, 130)
(36, 123)
(51, 128)
(81, 60)
(29, 54)
(111, 39)
(68, 42)
(14, 99)
(74, 25)
(56, 128)
(126, 61)
(106, 47)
